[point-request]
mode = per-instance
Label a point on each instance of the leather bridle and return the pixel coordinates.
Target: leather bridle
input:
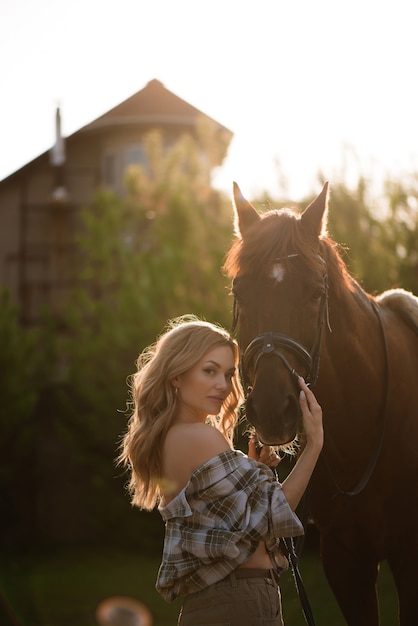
(270, 344)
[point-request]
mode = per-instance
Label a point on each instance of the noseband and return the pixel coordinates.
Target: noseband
(269, 344)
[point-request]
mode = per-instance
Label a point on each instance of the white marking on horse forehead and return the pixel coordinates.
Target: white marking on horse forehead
(278, 272)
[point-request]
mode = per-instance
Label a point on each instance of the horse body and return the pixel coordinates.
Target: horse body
(378, 523)
(294, 295)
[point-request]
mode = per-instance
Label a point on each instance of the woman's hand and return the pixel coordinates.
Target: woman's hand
(312, 416)
(263, 454)
(296, 482)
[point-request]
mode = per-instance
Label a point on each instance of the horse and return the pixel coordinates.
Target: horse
(299, 312)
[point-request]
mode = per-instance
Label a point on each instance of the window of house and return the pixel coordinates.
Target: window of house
(135, 155)
(115, 163)
(109, 170)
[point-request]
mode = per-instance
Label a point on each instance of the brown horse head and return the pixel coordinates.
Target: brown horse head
(280, 286)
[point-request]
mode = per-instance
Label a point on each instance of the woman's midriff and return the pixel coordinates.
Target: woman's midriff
(260, 559)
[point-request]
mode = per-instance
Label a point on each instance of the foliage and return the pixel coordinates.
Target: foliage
(380, 240)
(16, 369)
(361, 236)
(402, 228)
(151, 255)
(24, 367)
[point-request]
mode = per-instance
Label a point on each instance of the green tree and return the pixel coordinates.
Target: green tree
(150, 255)
(401, 226)
(360, 231)
(380, 238)
(24, 366)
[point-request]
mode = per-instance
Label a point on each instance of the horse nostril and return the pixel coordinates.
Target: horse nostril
(287, 418)
(291, 407)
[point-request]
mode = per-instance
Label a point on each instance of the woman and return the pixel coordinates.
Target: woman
(224, 511)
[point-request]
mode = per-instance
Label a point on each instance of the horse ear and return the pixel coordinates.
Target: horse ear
(314, 217)
(245, 214)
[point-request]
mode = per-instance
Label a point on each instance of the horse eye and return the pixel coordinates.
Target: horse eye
(317, 295)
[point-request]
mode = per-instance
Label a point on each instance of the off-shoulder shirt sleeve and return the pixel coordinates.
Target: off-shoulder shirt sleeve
(216, 522)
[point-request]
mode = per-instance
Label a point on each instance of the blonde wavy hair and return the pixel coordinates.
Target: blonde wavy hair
(184, 343)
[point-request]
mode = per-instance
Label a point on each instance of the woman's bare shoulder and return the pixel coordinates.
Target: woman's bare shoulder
(196, 433)
(187, 447)
(199, 442)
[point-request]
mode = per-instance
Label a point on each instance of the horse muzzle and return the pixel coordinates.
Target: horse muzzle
(274, 415)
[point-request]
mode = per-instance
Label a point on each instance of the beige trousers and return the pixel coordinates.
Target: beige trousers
(234, 602)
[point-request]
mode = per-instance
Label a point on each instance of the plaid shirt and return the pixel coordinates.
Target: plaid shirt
(216, 522)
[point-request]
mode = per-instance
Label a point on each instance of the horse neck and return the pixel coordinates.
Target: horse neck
(353, 357)
(352, 384)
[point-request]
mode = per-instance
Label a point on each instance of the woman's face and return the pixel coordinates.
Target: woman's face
(203, 389)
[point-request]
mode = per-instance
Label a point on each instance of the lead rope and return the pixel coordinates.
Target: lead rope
(290, 554)
(303, 596)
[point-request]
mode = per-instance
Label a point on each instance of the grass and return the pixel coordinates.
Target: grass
(64, 589)
(324, 606)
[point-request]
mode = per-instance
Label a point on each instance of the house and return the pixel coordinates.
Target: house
(39, 202)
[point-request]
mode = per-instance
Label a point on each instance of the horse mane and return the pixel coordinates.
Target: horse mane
(276, 236)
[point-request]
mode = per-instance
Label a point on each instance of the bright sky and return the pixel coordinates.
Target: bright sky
(315, 85)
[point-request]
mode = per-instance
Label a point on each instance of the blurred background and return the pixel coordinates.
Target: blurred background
(122, 127)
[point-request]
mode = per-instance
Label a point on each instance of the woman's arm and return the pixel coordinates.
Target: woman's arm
(295, 484)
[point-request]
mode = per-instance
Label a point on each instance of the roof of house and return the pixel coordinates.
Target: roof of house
(152, 105)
